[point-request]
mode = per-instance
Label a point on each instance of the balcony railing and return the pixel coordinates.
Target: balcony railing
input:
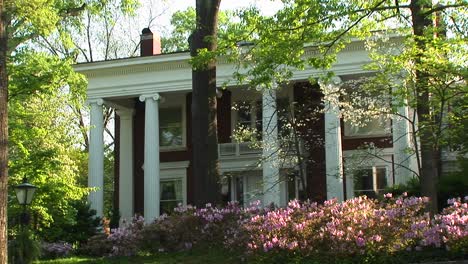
(239, 149)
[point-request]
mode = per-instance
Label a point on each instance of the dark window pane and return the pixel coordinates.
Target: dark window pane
(363, 179)
(240, 190)
(171, 195)
(170, 127)
(292, 186)
(381, 178)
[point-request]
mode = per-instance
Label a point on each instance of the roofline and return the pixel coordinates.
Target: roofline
(169, 57)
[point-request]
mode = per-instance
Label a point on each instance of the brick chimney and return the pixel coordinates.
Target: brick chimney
(150, 44)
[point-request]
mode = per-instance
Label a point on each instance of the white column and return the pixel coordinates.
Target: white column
(333, 148)
(96, 157)
(273, 186)
(403, 151)
(126, 164)
(151, 162)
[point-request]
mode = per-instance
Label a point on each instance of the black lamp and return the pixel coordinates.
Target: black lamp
(25, 192)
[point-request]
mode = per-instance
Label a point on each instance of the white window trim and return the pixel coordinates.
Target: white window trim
(176, 171)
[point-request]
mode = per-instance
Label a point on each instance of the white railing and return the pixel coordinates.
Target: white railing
(238, 149)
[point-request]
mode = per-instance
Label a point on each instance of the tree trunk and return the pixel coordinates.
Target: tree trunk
(204, 126)
(429, 147)
(3, 136)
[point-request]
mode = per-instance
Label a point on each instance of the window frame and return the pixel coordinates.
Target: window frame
(374, 175)
(383, 159)
(256, 115)
(174, 171)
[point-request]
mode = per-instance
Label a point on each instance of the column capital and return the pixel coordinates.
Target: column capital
(154, 97)
(98, 101)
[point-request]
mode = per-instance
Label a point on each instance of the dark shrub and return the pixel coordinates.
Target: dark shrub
(97, 245)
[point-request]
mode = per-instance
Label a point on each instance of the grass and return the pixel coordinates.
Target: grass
(189, 257)
(215, 256)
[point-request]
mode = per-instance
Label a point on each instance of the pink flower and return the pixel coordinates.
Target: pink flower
(360, 242)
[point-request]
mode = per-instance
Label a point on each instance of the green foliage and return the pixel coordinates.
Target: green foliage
(43, 146)
(183, 23)
(109, 185)
(77, 232)
(412, 188)
(454, 184)
(24, 248)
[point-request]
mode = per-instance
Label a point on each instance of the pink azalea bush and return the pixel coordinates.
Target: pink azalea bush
(352, 227)
(188, 226)
(450, 227)
(356, 227)
(124, 240)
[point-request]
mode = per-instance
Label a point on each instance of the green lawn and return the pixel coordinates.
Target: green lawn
(191, 257)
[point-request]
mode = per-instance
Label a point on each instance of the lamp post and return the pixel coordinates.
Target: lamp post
(25, 193)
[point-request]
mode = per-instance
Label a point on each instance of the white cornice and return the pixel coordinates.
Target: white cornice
(133, 77)
(167, 62)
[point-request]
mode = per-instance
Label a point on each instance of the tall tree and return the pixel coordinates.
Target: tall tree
(431, 77)
(3, 136)
(20, 23)
(204, 124)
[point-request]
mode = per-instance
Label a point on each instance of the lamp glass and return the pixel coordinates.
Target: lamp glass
(21, 195)
(30, 195)
(25, 193)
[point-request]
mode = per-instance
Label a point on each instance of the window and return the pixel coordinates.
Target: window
(370, 181)
(170, 127)
(249, 115)
(248, 120)
(376, 127)
(171, 194)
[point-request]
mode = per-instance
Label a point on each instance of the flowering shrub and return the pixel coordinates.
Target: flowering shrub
(97, 245)
(451, 227)
(359, 227)
(189, 226)
(125, 240)
(352, 227)
(172, 233)
(56, 249)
